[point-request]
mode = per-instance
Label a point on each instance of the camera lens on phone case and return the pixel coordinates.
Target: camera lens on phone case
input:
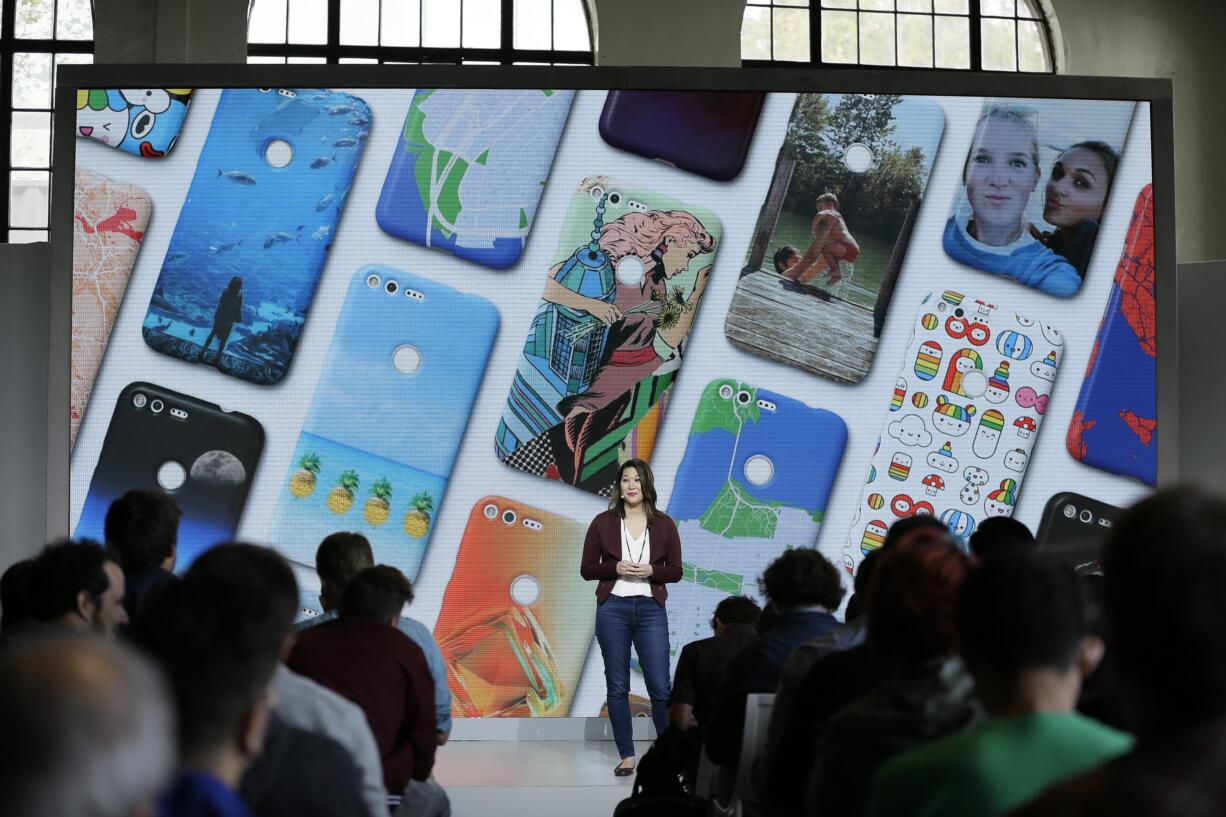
(373, 281)
(959, 312)
(139, 400)
(1070, 511)
(1087, 517)
(490, 511)
(156, 406)
(508, 516)
(615, 198)
(743, 398)
(391, 287)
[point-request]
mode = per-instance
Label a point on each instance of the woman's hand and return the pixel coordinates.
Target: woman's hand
(700, 284)
(606, 313)
(633, 570)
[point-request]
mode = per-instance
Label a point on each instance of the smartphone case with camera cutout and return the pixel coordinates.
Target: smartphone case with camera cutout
(516, 620)
(376, 449)
(142, 121)
(608, 338)
(1074, 529)
(963, 419)
(755, 479)
(213, 453)
(240, 272)
(470, 169)
(833, 231)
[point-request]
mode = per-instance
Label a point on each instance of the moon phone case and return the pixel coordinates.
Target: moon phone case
(962, 421)
(517, 620)
(376, 449)
(252, 237)
(470, 168)
(1074, 529)
(201, 455)
(142, 121)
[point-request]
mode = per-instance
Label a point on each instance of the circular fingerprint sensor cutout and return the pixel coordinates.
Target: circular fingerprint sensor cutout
(858, 157)
(278, 153)
(759, 470)
(406, 359)
(974, 383)
(525, 590)
(171, 475)
(630, 271)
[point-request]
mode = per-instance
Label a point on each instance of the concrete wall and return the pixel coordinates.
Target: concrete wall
(127, 31)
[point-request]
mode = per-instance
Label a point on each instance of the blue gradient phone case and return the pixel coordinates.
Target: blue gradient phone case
(250, 243)
(376, 449)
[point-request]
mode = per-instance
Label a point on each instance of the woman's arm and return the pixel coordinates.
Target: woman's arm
(677, 332)
(591, 567)
(670, 571)
(555, 293)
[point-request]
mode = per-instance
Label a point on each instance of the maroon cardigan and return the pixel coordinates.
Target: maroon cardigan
(602, 550)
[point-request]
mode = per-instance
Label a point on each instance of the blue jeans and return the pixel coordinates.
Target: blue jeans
(621, 621)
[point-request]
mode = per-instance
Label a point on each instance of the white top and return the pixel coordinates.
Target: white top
(639, 552)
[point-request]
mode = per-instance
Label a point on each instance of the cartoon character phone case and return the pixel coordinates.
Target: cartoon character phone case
(510, 629)
(201, 454)
(109, 220)
(1114, 427)
(142, 121)
(240, 272)
(756, 475)
(704, 132)
(1074, 529)
(833, 231)
(470, 169)
(962, 422)
(376, 449)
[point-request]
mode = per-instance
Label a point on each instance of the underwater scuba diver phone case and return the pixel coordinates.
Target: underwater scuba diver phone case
(608, 338)
(470, 169)
(200, 454)
(1114, 427)
(252, 237)
(376, 449)
(142, 121)
(109, 220)
(1074, 529)
(703, 132)
(962, 421)
(516, 620)
(754, 481)
(833, 231)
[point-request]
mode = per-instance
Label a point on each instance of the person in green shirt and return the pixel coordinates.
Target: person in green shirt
(1023, 633)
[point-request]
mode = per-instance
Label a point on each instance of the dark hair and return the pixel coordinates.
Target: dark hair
(782, 254)
(63, 570)
(235, 284)
(769, 617)
(909, 524)
(143, 526)
(647, 485)
(1001, 534)
(858, 603)
(378, 592)
(912, 600)
(16, 600)
(341, 556)
(737, 610)
(802, 576)
(1109, 156)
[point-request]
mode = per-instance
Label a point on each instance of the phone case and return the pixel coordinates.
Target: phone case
(1114, 427)
(833, 231)
(240, 272)
(1074, 529)
(379, 440)
(201, 454)
(962, 422)
(609, 336)
(109, 220)
(142, 121)
(703, 132)
(517, 620)
(754, 481)
(470, 168)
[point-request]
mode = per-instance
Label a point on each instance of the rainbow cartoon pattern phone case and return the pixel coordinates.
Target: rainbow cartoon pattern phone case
(608, 338)
(963, 418)
(250, 243)
(376, 449)
(142, 121)
(470, 169)
(517, 620)
(1114, 427)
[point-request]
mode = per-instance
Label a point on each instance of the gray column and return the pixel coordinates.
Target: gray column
(668, 32)
(147, 31)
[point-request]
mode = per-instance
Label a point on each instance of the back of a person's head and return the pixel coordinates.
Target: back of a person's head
(913, 528)
(378, 593)
(737, 610)
(88, 730)
(61, 572)
(1000, 534)
(859, 590)
(16, 600)
(802, 577)
(340, 557)
(912, 601)
(143, 526)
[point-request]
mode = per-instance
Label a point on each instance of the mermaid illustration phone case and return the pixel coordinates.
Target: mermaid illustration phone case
(756, 476)
(252, 237)
(109, 220)
(470, 168)
(376, 449)
(962, 422)
(1114, 427)
(833, 231)
(142, 121)
(1074, 529)
(609, 336)
(511, 628)
(201, 454)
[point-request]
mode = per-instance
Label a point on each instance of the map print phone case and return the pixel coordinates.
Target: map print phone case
(963, 419)
(470, 169)
(240, 272)
(378, 443)
(608, 338)
(142, 121)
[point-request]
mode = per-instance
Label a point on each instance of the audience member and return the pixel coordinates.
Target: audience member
(16, 604)
(142, 526)
(1023, 634)
(75, 586)
(1099, 699)
(1001, 534)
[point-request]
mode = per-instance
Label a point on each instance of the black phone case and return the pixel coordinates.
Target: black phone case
(1074, 529)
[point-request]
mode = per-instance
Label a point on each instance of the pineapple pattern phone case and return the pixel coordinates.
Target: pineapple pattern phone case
(376, 449)
(142, 121)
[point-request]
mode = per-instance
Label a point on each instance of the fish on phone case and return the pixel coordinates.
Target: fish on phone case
(237, 175)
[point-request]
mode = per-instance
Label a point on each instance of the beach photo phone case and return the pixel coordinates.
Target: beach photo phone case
(202, 455)
(109, 220)
(1074, 529)
(962, 421)
(1115, 427)
(376, 449)
(142, 121)
(703, 132)
(608, 338)
(250, 243)
(470, 168)
(517, 620)
(832, 235)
